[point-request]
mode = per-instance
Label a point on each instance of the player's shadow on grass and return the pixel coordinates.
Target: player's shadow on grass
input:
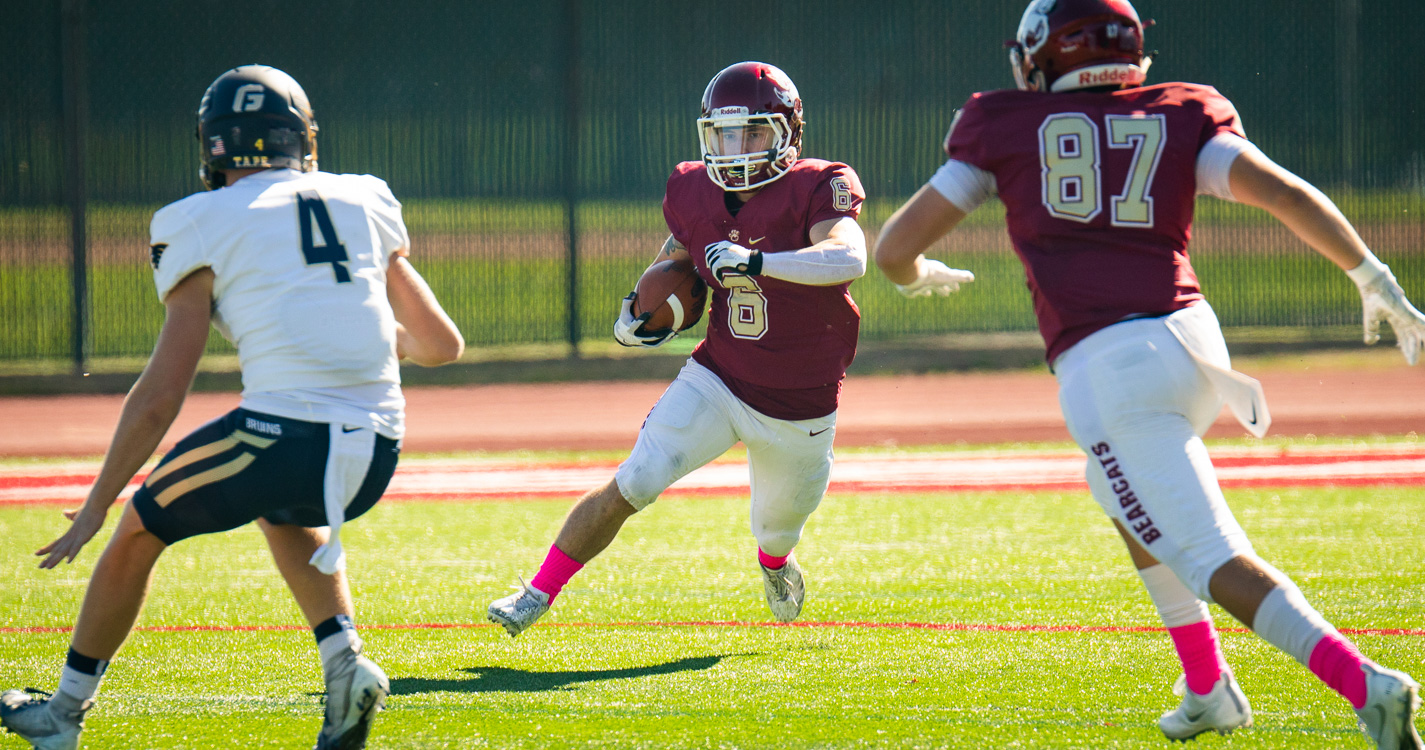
(505, 680)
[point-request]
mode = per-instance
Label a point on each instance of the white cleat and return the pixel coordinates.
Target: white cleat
(1392, 699)
(519, 610)
(785, 588)
(50, 723)
(1222, 710)
(356, 690)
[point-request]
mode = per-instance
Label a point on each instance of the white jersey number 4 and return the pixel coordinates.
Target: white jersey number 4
(1071, 166)
(311, 208)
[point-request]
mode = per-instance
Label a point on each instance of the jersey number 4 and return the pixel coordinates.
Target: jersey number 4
(311, 208)
(1071, 166)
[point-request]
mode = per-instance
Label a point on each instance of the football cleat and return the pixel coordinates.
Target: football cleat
(1222, 710)
(356, 690)
(53, 722)
(1392, 699)
(785, 588)
(519, 610)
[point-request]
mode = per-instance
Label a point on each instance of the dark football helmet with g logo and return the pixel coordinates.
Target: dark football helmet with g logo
(255, 117)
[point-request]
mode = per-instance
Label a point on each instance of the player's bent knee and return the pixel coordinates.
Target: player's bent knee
(644, 476)
(131, 542)
(638, 488)
(1197, 573)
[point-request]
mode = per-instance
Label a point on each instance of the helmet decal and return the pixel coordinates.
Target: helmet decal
(249, 98)
(1034, 27)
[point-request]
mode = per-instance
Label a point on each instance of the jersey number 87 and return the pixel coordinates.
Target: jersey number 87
(1071, 166)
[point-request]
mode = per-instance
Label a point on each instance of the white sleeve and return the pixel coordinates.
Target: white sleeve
(385, 213)
(176, 248)
(816, 267)
(1214, 164)
(965, 185)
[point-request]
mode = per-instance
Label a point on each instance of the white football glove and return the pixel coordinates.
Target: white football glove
(1383, 299)
(628, 329)
(935, 278)
(729, 257)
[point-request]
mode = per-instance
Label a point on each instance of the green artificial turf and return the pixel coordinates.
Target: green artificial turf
(632, 655)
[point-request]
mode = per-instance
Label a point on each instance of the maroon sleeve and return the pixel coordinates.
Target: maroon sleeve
(838, 193)
(670, 211)
(1219, 116)
(963, 142)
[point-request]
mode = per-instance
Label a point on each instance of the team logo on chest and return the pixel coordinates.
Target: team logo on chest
(733, 235)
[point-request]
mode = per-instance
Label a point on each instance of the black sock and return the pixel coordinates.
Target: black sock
(81, 663)
(331, 626)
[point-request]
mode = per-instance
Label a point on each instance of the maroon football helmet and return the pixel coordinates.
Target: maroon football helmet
(1064, 45)
(751, 127)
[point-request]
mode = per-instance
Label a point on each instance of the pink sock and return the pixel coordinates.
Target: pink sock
(556, 571)
(769, 562)
(1202, 659)
(1337, 662)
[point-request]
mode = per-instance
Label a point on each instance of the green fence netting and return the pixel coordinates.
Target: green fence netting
(464, 109)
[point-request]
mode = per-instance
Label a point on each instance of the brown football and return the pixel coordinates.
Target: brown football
(673, 292)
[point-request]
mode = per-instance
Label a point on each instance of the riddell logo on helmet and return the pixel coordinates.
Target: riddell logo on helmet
(730, 111)
(1105, 76)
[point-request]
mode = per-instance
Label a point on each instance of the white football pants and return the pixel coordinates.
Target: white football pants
(1137, 403)
(698, 419)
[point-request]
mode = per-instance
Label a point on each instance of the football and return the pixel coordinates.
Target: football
(674, 293)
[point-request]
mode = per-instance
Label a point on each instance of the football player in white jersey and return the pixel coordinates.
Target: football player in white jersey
(306, 272)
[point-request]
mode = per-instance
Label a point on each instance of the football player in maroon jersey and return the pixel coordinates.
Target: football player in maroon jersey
(775, 237)
(1098, 175)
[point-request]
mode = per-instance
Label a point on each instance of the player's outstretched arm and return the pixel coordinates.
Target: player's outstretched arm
(424, 334)
(149, 410)
(914, 227)
(1258, 181)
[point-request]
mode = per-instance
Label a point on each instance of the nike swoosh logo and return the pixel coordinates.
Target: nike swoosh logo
(1195, 718)
(818, 432)
(344, 428)
(1253, 420)
(759, 239)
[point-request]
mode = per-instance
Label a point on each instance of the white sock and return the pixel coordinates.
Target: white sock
(77, 684)
(1177, 605)
(1286, 621)
(337, 646)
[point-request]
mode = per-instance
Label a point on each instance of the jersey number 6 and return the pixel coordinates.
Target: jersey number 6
(310, 206)
(746, 307)
(1071, 166)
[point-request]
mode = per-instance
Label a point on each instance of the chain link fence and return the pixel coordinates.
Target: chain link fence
(530, 143)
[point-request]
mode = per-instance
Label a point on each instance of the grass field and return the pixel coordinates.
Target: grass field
(945, 620)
